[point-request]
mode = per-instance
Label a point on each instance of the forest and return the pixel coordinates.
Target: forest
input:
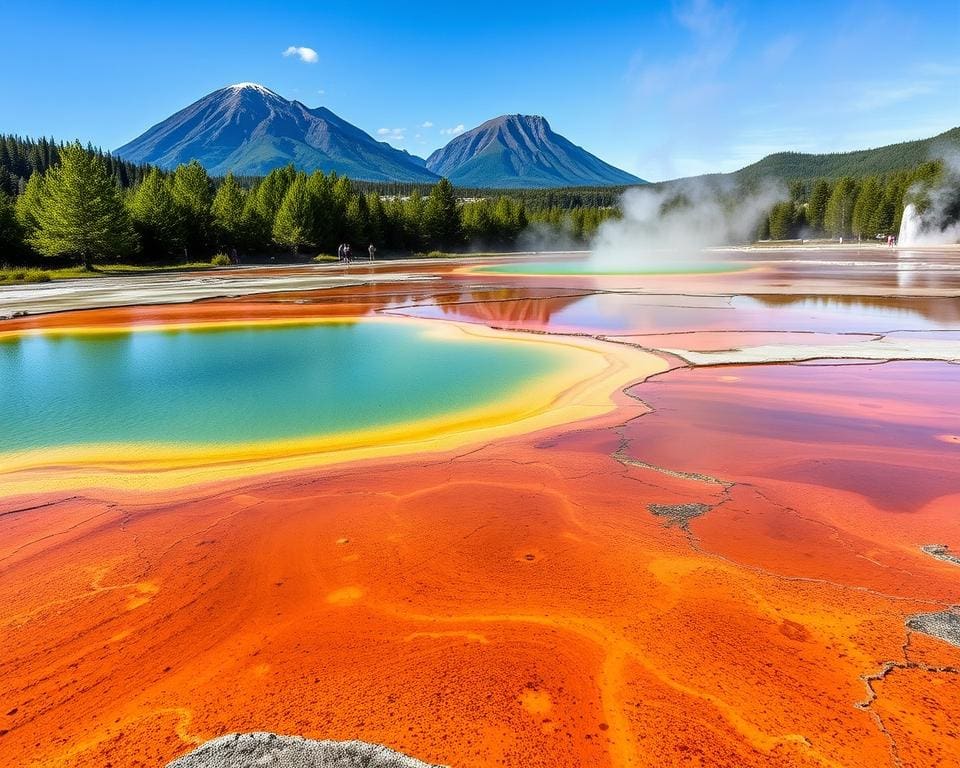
(63, 203)
(868, 208)
(74, 202)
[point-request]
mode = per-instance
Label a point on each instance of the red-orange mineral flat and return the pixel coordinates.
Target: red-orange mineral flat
(564, 539)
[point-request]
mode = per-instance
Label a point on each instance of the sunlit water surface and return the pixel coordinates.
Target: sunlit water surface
(571, 267)
(247, 383)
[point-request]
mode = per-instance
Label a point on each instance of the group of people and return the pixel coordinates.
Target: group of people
(345, 253)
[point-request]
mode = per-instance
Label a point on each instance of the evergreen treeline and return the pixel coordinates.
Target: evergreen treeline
(534, 200)
(77, 208)
(860, 164)
(20, 158)
(867, 207)
(77, 203)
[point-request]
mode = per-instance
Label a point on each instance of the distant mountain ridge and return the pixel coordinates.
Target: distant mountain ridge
(790, 166)
(522, 151)
(250, 130)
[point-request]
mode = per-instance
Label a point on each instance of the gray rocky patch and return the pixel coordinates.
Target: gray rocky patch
(944, 625)
(679, 514)
(268, 750)
(941, 552)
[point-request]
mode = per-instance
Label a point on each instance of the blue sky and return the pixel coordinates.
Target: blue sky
(660, 89)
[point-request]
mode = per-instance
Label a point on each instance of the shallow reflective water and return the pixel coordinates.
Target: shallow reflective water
(590, 267)
(247, 383)
(638, 313)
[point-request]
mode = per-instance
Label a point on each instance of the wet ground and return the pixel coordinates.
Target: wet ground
(742, 553)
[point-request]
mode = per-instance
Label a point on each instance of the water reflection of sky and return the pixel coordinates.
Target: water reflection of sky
(624, 313)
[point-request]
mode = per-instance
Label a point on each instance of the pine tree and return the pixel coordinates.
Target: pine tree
(256, 230)
(294, 221)
(11, 234)
(478, 224)
(228, 206)
(884, 218)
(838, 218)
(357, 220)
(325, 226)
(156, 217)
(763, 229)
(781, 220)
(193, 194)
(5, 161)
(81, 213)
(393, 233)
(342, 194)
(27, 205)
(864, 210)
(271, 191)
(376, 218)
(413, 211)
(817, 205)
(441, 217)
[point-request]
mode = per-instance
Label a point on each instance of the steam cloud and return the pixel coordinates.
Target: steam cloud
(678, 220)
(939, 223)
(539, 237)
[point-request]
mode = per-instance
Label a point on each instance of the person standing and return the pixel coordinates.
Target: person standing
(373, 252)
(340, 253)
(347, 252)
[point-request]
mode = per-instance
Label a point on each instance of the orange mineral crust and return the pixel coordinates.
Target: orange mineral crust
(590, 594)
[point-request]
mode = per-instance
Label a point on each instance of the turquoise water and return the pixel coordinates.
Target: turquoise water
(246, 383)
(581, 267)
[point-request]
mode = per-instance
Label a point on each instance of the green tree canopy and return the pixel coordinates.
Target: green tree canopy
(358, 220)
(193, 194)
(442, 225)
(11, 234)
(228, 208)
(884, 218)
(155, 216)
(782, 219)
(28, 203)
(413, 212)
(838, 217)
(817, 205)
(864, 209)
(271, 191)
(294, 221)
(81, 213)
(376, 218)
(325, 224)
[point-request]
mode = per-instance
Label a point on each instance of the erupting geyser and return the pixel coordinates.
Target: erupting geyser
(910, 226)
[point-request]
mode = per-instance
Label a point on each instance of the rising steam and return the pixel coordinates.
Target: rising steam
(678, 220)
(934, 216)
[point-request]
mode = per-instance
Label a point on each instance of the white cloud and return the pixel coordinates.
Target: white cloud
(392, 134)
(307, 55)
(322, 92)
(457, 129)
(426, 124)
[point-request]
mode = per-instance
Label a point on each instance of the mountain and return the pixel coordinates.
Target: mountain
(249, 129)
(522, 151)
(788, 166)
